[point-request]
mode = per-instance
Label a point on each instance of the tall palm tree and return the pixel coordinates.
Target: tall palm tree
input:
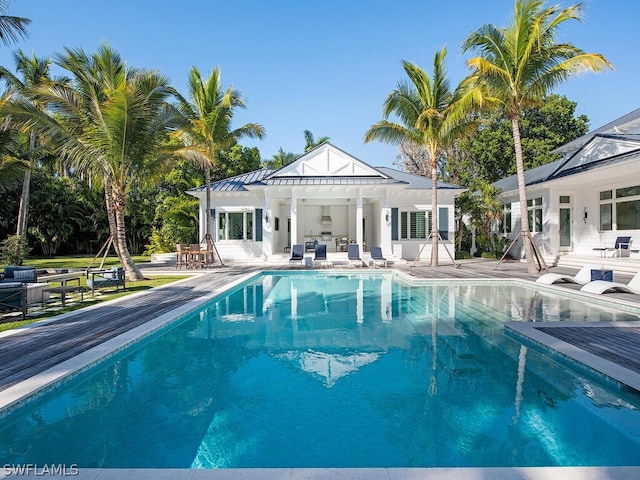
(206, 130)
(522, 63)
(431, 117)
(109, 120)
(12, 28)
(34, 73)
(311, 142)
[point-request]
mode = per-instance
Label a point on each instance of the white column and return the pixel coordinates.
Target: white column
(294, 219)
(359, 232)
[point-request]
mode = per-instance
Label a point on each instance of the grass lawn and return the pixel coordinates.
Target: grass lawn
(9, 321)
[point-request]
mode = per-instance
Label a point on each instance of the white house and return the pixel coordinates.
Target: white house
(326, 195)
(586, 199)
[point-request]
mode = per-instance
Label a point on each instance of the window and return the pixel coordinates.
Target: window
(534, 207)
(624, 213)
(505, 223)
(235, 226)
(415, 225)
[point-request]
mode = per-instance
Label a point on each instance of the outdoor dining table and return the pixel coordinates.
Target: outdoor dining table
(195, 258)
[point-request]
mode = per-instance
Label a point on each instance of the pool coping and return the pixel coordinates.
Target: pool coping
(14, 396)
(463, 473)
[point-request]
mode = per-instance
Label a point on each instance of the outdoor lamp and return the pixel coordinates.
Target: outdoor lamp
(586, 215)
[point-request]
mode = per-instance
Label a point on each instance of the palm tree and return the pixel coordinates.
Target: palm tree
(281, 159)
(207, 126)
(12, 28)
(431, 116)
(522, 63)
(110, 120)
(35, 73)
(311, 142)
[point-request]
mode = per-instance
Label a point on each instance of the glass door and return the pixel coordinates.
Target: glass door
(565, 222)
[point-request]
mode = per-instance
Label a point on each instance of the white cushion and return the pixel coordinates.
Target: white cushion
(22, 274)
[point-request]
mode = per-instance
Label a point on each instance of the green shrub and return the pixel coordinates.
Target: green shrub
(14, 249)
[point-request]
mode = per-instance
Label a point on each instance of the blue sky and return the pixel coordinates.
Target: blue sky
(324, 66)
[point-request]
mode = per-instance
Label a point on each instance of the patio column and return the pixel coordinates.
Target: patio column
(294, 219)
(359, 232)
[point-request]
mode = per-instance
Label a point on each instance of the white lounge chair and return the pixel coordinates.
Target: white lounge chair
(582, 277)
(602, 286)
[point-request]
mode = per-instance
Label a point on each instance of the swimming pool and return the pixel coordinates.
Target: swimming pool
(337, 370)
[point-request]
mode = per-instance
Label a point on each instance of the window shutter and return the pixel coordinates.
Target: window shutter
(258, 222)
(443, 222)
(394, 224)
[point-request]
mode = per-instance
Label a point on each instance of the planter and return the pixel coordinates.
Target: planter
(167, 258)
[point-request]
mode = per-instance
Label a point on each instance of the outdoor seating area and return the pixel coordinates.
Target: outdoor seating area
(193, 256)
(621, 247)
(350, 258)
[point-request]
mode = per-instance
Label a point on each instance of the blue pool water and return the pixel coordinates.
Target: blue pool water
(330, 370)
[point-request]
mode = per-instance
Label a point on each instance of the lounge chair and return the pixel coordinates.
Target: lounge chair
(297, 254)
(376, 256)
(621, 243)
(582, 277)
(602, 286)
(353, 254)
(321, 254)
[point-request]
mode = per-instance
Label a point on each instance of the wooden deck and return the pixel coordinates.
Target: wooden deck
(31, 351)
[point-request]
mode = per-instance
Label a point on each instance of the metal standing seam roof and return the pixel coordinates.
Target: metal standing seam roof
(554, 170)
(416, 182)
(259, 177)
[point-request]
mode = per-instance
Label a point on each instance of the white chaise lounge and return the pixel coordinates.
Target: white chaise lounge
(582, 277)
(602, 286)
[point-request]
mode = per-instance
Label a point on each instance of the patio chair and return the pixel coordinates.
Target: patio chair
(13, 296)
(582, 277)
(114, 277)
(182, 254)
(310, 246)
(602, 286)
(353, 254)
(621, 244)
(297, 254)
(195, 258)
(321, 254)
(376, 256)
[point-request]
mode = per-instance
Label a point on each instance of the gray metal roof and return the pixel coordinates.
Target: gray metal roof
(531, 177)
(416, 182)
(237, 183)
(264, 177)
(565, 166)
(349, 180)
(626, 124)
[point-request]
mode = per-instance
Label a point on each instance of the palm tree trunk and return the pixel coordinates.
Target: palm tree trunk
(23, 211)
(207, 220)
(115, 201)
(434, 212)
(111, 217)
(131, 269)
(524, 214)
